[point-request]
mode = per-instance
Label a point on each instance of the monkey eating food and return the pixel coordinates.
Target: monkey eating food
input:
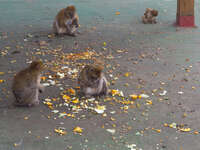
(66, 21)
(150, 16)
(92, 81)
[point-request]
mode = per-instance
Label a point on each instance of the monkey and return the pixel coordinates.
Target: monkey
(150, 16)
(92, 81)
(26, 85)
(66, 21)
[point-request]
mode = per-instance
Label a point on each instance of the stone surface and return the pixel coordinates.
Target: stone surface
(158, 57)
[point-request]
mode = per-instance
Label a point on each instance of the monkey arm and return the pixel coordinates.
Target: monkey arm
(70, 28)
(75, 22)
(105, 87)
(153, 20)
(144, 19)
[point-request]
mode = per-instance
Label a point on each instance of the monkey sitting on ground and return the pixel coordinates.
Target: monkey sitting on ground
(66, 21)
(150, 16)
(92, 81)
(26, 85)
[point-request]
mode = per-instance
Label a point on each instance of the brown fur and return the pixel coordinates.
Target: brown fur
(26, 85)
(150, 16)
(91, 76)
(154, 13)
(65, 15)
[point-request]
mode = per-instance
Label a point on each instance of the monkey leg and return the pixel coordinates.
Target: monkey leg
(35, 101)
(27, 97)
(19, 99)
(23, 103)
(61, 31)
(104, 90)
(153, 20)
(88, 91)
(144, 20)
(58, 30)
(32, 98)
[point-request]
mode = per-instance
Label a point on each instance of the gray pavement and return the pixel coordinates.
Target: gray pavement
(159, 60)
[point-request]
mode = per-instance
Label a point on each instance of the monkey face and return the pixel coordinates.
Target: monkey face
(94, 72)
(70, 11)
(71, 14)
(37, 65)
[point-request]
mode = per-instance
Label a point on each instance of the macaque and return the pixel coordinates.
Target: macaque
(26, 85)
(150, 16)
(66, 21)
(92, 81)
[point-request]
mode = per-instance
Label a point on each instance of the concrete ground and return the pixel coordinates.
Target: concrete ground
(161, 61)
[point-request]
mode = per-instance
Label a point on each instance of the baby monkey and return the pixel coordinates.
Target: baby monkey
(26, 85)
(92, 81)
(66, 21)
(150, 16)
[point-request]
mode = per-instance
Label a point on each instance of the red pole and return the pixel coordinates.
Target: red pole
(185, 13)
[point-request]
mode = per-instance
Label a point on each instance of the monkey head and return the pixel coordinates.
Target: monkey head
(154, 13)
(94, 72)
(37, 66)
(70, 11)
(150, 12)
(148, 9)
(147, 12)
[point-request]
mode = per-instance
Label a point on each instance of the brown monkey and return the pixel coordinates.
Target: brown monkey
(92, 81)
(150, 16)
(66, 21)
(26, 85)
